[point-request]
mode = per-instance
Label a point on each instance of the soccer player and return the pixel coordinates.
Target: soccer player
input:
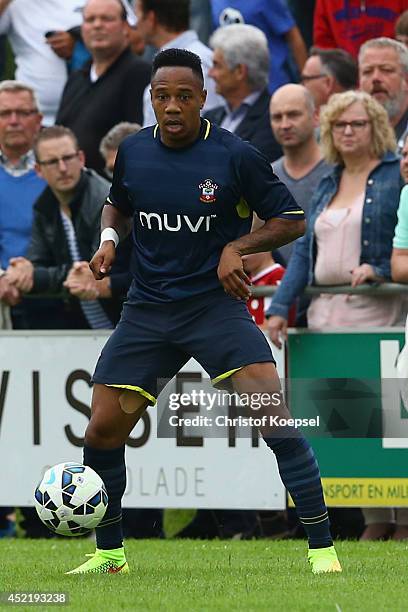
(189, 188)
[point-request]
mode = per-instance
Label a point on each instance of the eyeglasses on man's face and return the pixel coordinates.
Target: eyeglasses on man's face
(305, 78)
(55, 161)
(20, 113)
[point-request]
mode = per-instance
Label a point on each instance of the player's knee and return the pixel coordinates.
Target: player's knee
(99, 435)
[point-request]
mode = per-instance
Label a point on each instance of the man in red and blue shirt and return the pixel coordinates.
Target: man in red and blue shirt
(348, 24)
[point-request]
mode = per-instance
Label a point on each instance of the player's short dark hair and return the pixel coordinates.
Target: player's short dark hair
(173, 14)
(180, 58)
(54, 131)
(339, 64)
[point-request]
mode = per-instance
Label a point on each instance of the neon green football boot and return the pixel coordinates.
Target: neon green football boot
(104, 562)
(324, 560)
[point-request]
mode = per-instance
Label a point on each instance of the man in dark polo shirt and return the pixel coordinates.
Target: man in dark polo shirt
(109, 89)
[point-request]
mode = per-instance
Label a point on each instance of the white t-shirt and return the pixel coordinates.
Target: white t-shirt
(190, 41)
(25, 22)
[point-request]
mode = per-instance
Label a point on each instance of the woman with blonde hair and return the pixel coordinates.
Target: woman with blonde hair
(352, 221)
(350, 232)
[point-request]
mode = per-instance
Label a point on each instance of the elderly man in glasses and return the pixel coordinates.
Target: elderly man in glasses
(20, 121)
(64, 236)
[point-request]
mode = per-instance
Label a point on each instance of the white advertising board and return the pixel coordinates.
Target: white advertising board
(45, 395)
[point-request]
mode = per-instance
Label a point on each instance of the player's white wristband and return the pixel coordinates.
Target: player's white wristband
(109, 234)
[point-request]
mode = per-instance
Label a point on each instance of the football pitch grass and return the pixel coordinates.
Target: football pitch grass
(211, 575)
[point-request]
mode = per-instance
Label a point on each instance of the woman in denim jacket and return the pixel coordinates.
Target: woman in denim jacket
(349, 235)
(352, 221)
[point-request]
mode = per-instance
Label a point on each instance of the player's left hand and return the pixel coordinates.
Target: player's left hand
(362, 274)
(101, 262)
(232, 276)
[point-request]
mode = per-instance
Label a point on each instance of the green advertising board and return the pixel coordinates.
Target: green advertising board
(348, 379)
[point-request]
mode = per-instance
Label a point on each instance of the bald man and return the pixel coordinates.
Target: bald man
(293, 120)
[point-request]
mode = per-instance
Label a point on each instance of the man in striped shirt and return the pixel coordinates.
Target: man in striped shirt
(65, 234)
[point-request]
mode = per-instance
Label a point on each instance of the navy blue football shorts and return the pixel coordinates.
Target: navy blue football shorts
(153, 341)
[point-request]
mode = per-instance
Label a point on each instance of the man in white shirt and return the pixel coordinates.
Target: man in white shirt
(165, 25)
(26, 23)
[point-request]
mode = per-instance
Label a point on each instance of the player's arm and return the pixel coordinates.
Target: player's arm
(272, 235)
(115, 226)
(116, 220)
(272, 202)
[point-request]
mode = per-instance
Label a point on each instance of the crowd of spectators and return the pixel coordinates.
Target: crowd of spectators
(319, 87)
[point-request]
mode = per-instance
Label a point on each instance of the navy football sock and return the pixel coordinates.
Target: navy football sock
(300, 475)
(110, 465)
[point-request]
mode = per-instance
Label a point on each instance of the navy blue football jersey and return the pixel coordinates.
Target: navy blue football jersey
(188, 203)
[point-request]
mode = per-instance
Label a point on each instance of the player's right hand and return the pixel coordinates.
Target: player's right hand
(101, 262)
(232, 276)
(278, 330)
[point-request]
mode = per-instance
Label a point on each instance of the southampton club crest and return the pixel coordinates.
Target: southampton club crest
(208, 189)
